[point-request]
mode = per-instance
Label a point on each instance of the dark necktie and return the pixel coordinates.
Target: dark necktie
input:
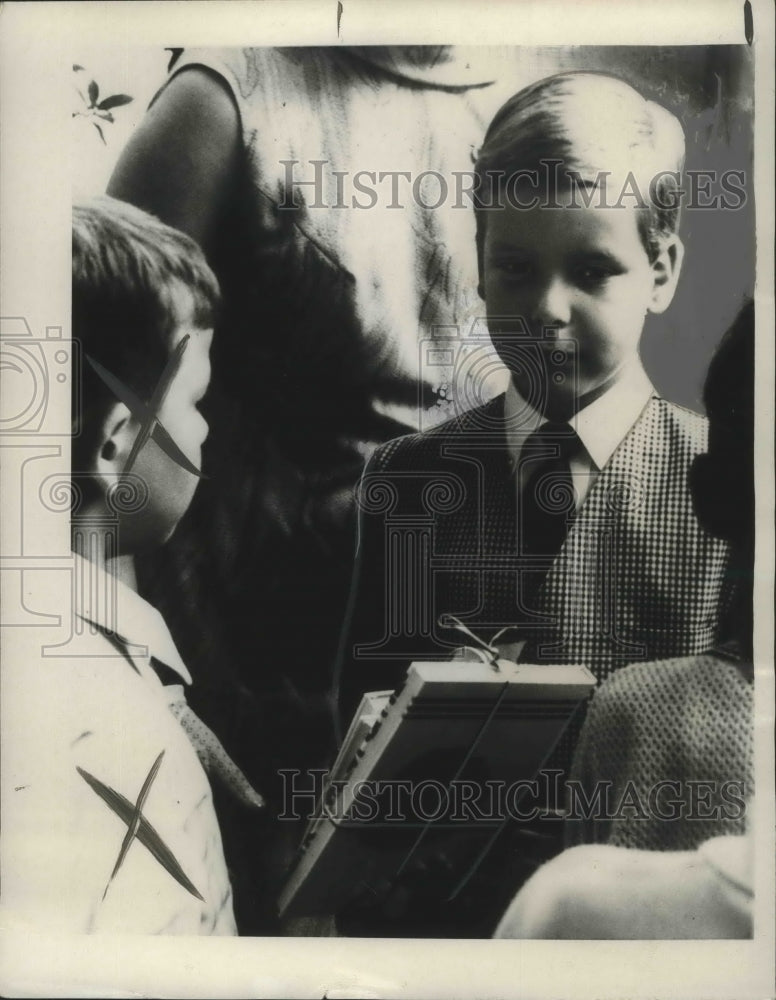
(547, 500)
(209, 748)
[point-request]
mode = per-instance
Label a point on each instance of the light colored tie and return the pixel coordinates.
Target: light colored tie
(213, 757)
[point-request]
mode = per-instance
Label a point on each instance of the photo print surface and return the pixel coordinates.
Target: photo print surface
(386, 567)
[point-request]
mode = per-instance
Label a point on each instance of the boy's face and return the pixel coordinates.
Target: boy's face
(584, 273)
(170, 486)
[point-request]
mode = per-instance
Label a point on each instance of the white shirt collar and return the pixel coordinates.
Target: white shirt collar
(601, 426)
(136, 623)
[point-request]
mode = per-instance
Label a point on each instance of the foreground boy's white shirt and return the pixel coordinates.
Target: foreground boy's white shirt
(105, 712)
(601, 427)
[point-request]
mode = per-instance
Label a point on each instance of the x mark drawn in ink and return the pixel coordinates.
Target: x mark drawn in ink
(138, 827)
(146, 413)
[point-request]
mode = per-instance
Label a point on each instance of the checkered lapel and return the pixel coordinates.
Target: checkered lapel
(637, 578)
(473, 546)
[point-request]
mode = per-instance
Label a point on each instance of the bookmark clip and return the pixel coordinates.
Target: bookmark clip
(485, 651)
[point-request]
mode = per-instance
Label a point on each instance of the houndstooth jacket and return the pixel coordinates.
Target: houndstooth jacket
(636, 579)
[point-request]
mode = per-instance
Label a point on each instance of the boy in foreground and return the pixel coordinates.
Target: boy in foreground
(110, 825)
(560, 511)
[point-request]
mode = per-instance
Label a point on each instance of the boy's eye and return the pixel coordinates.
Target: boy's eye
(592, 275)
(512, 268)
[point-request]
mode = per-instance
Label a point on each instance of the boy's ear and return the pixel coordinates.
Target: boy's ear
(114, 443)
(665, 273)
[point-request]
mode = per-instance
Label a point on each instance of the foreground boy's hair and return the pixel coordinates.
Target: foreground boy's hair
(135, 280)
(588, 129)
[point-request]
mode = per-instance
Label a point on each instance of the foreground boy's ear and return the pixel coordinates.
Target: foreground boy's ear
(117, 433)
(665, 273)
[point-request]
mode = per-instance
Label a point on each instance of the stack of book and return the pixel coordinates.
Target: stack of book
(436, 766)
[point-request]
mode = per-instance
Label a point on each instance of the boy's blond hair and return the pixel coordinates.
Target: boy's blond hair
(586, 129)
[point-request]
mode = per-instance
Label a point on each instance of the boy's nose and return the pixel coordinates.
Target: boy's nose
(552, 306)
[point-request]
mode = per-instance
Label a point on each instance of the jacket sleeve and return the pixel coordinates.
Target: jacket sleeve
(368, 659)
